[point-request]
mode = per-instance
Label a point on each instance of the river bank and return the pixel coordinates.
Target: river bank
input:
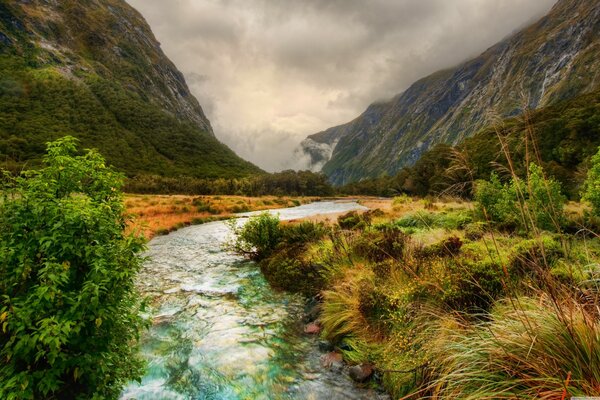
(439, 301)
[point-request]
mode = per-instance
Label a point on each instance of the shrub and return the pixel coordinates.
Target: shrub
(535, 254)
(303, 232)
(286, 271)
(383, 242)
(535, 204)
(259, 236)
(476, 285)
(497, 202)
(592, 185)
(354, 220)
(68, 307)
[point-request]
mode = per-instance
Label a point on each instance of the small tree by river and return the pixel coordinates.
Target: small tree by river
(69, 313)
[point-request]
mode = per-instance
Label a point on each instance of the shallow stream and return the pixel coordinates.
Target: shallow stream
(220, 332)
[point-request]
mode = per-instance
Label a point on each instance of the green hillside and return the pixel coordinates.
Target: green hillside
(93, 70)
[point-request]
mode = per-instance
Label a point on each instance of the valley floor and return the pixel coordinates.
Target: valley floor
(153, 215)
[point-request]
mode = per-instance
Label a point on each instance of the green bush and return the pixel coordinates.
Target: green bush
(69, 312)
(592, 185)
(429, 220)
(476, 285)
(284, 270)
(354, 221)
(383, 242)
(303, 232)
(259, 236)
(535, 254)
(533, 204)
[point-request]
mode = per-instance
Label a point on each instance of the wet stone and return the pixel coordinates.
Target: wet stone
(312, 329)
(361, 373)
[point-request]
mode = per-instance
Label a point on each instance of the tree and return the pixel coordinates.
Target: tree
(69, 311)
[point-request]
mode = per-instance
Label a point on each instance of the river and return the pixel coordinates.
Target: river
(220, 332)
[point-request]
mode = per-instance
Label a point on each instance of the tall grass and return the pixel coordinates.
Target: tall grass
(538, 350)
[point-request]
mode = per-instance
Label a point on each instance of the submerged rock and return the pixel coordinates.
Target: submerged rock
(312, 329)
(361, 373)
(332, 360)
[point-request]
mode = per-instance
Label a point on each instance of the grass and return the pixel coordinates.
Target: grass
(446, 305)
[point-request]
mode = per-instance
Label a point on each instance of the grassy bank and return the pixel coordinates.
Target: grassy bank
(160, 214)
(445, 299)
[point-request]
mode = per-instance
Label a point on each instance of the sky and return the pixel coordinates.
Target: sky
(268, 73)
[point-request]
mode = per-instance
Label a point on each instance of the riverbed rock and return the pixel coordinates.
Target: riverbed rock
(312, 329)
(333, 361)
(361, 373)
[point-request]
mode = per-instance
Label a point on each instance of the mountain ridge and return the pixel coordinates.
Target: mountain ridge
(452, 104)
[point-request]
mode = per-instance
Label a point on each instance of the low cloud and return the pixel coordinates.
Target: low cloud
(270, 72)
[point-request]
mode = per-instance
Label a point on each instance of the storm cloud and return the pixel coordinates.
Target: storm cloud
(270, 72)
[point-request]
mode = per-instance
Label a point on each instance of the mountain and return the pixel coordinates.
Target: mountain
(94, 70)
(551, 60)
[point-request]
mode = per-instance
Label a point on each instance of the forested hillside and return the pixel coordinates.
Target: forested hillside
(94, 70)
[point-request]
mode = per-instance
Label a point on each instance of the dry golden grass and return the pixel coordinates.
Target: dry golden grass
(160, 214)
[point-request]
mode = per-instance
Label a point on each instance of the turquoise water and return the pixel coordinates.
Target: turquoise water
(220, 332)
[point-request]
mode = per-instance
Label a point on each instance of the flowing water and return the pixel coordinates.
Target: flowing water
(220, 332)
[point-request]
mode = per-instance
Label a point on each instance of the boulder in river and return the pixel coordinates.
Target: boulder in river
(361, 372)
(312, 329)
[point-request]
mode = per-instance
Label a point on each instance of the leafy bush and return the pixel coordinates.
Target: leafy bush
(533, 204)
(284, 270)
(592, 185)
(303, 232)
(259, 236)
(535, 254)
(429, 220)
(353, 220)
(475, 286)
(383, 242)
(68, 307)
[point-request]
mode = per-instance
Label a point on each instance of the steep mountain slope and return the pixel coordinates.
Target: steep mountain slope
(554, 59)
(93, 69)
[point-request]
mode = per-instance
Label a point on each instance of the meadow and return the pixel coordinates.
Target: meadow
(151, 215)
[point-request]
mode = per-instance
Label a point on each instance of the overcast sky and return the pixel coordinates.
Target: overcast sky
(270, 72)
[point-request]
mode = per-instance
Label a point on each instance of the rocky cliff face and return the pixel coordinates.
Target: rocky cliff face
(109, 38)
(93, 69)
(554, 59)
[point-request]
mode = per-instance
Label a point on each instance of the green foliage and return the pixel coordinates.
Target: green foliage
(303, 232)
(530, 255)
(383, 242)
(354, 220)
(566, 136)
(290, 183)
(528, 205)
(284, 270)
(450, 220)
(592, 185)
(259, 236)
(69, 310)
